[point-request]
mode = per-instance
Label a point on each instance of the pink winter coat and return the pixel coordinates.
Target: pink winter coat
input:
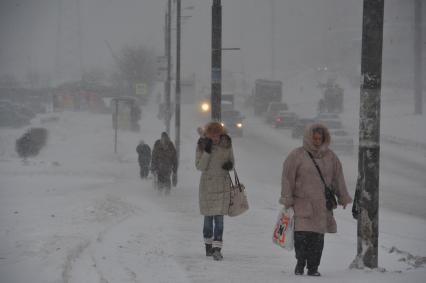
(302, 188)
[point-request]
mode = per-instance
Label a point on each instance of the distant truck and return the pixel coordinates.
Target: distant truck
(332, 100)
(228, 101)
(265, 92)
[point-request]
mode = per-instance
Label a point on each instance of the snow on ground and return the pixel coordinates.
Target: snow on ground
(79, 213)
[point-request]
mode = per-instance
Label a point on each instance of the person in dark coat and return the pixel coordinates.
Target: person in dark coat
(164, 162)
(144, 158)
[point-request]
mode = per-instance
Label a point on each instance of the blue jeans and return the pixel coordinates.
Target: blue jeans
(213, 234)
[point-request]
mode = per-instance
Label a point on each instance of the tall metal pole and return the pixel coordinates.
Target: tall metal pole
(80, 41)
(418, 58)
(116, 125)
(163, 98)
(58, 55)
(369, 134)
(169, 66)
(272, 4)
(177, 90)
(216, 71)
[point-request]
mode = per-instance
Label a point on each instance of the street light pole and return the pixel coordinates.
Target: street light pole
(272, 4)
(418, 58)
(216, 69)
(169, 65)
(116, 126)
(177, 90)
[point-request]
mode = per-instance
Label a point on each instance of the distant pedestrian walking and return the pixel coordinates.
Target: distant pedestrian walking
(164, 163)
(144, 158)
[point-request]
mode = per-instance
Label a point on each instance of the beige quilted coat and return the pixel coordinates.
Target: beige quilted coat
(214, 189)
(302, 188)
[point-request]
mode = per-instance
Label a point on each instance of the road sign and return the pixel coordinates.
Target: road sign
(140, 89)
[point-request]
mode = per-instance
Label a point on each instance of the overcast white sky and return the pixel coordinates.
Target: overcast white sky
(43, 35)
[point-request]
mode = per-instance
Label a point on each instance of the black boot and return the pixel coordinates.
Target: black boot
(313, 272)
(209, 250)
(217, 255)
(300, 268)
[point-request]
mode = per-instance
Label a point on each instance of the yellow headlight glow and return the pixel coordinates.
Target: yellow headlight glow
(205, 107)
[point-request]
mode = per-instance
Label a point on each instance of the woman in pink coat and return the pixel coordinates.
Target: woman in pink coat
(303, 189)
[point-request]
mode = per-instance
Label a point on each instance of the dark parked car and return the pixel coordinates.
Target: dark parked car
(325, 116)
(232, 120)
(298, 129)
(9, 117)
(14, 115)
(273, 109)
(285, 119)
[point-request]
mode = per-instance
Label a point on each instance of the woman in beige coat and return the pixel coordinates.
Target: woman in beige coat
(303, 189)
(214, 158)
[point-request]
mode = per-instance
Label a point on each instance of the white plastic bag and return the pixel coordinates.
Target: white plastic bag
(283, 235)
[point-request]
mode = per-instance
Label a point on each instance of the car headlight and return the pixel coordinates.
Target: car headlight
(223, 124)
(205, 107)
(239, 125)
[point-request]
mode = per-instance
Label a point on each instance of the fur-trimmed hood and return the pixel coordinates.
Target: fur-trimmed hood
(225, 139)
(308, 145)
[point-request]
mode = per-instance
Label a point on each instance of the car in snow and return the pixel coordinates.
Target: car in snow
(273, 109)
(14, 115)
(232, 120)
(285, 119)
(341, 141)
(326, 115)
(10, 117)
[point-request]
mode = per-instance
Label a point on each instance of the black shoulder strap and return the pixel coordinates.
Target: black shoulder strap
(316, 165)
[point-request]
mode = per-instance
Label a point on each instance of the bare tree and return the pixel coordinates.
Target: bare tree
(137, 64)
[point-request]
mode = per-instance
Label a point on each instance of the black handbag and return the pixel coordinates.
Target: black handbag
(330, 196)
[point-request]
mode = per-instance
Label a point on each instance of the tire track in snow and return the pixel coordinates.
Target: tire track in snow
(82, 259)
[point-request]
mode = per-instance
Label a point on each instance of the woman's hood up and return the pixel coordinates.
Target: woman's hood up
(225, 139)
(308, 139)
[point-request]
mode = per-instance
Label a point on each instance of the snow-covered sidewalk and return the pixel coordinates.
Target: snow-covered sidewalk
(79, 213)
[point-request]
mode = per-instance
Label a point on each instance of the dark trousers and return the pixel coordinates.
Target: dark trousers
(144, 170)
(164, 181)
(213, 229)
(308, 247)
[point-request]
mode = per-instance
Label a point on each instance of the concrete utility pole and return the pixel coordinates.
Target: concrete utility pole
(272, 4)
(418, 58)
(116, 125)
(59, 45)
(369, 134)
(168, 113)
(216, 71)
(177, 92)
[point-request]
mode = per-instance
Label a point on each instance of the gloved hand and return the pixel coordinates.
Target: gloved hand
(228, 165)
(201, 141)
(208, 145)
